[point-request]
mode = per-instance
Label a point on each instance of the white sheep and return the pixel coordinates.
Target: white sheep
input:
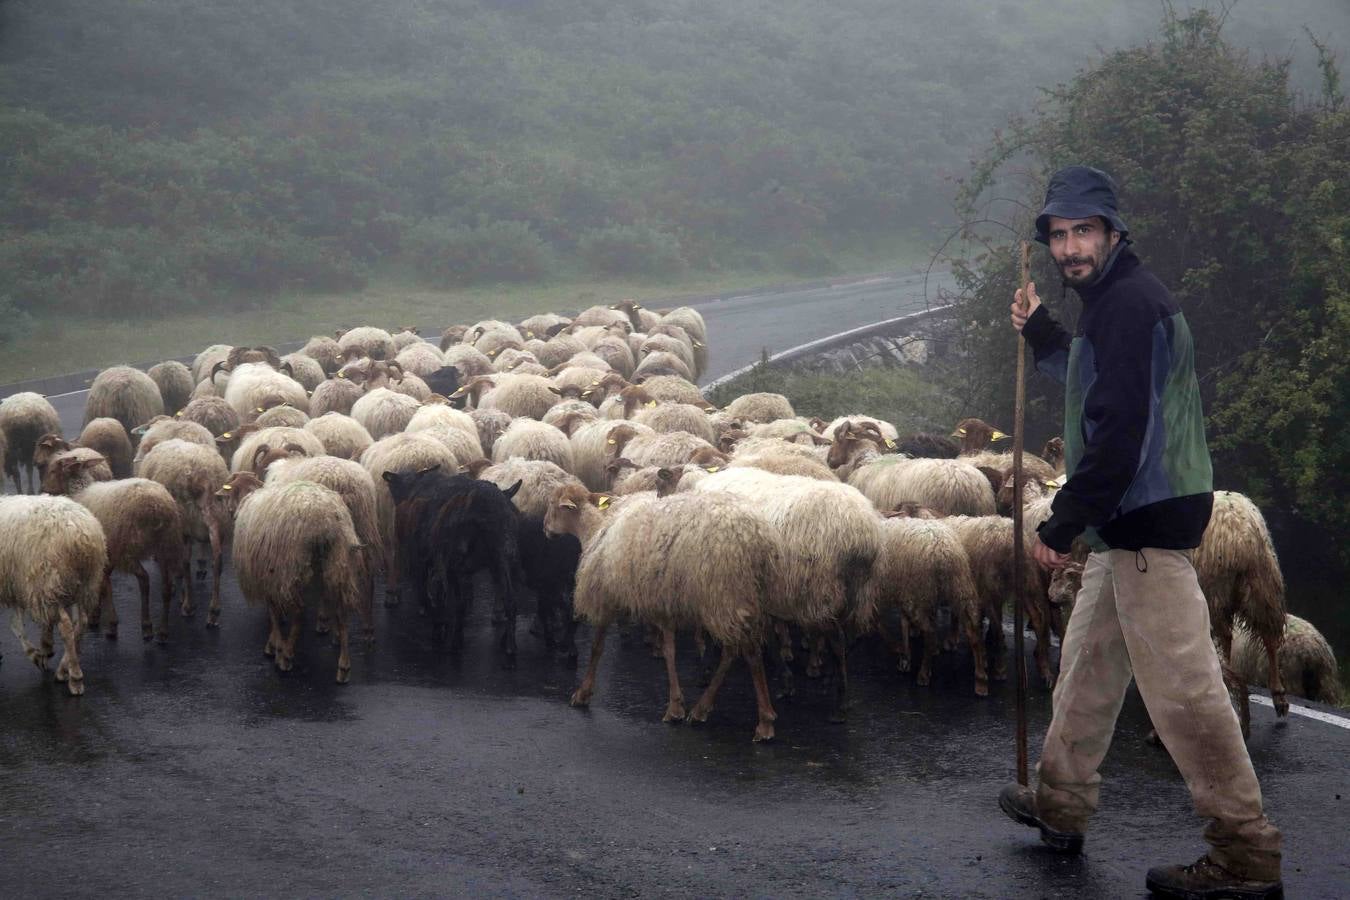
(206, 361)
(490, 424)
(420, 358)
(592, 444)
(51, 565)
(528, 439)
(325, 351)
(283, 415)
(162, 429)
(520, 395)
(192, 474)
(1306, 661)
(668, 417)
(257, 387)
(685, 561)
(175, 384)
(441, 414)
(539, 480)
(125, 394)
(140, 521)
(244, 458)
(109, 439)
(367, 341)
(306, 370)
(383, 412)
(334, 395)
(340, 435)
(24, 419)
(469, 362)
(295, 544)
(761, 407)
(661, 362)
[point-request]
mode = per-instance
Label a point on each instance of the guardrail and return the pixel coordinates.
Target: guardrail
(820, 345)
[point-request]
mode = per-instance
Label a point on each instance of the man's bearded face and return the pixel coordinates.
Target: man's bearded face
(1080, 248)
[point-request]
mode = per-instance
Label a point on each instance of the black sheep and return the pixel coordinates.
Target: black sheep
(449, 527)
(549, 567)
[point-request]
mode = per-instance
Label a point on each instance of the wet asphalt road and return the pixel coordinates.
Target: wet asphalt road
(196, 769)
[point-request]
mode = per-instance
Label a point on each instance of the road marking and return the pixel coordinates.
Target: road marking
(1294, 708)
(67, 394)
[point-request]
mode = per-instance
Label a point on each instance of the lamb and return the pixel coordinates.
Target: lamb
(591, 446)
(125, 394)
(761, 408)
(830, 539)
(538, 479)
(420, 358)
(334, 395)
(383, 412)
(366, 341)
(685, 561)
(53, 447)
(403, 453)
(1306, 662)
(140, 520)
(548, 567)
(921, 566)
(449, 527)
(256, 387)
(175, 384)
(341, 436)
(24, 419)
(354, 485)
(1240, 577)
(528, 439)
(662, 480)
(108, 438)
(294, 546)
(51, 566)
(192, 474)
(326, 351)
(283, 415)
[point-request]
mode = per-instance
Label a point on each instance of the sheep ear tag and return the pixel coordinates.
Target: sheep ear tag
(603, 503)
(227, 487)
(651, 402)
(890, 444)
(712, 469)
(611, 441)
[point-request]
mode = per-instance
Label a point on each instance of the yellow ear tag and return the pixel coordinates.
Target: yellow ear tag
(259, 409)
(342, 375)
(651, 402)
(712, 469)
(529, 334)
(604, 502)
(611, 441)
(227, 487)
(961, 431)
(178, 415)
(890, 444)
(227, 435)
(595, 384)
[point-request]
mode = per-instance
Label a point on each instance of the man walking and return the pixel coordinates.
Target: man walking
(1139, 493)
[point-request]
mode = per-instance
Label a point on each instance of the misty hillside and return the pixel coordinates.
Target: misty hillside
(161, 152)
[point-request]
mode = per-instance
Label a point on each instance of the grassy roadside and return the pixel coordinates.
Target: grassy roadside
(57, 346)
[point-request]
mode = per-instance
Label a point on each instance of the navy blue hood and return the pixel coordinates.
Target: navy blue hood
(1079, 192)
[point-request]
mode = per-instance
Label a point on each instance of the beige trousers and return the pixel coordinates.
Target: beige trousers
(1143, 614)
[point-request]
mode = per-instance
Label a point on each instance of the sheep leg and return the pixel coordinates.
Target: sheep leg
(189, 608)
(286, 652)
(754, 658)
(143, 580)
(344, 669)
(273, 636)
(813, 662)
(321, 625)
(166, 588)
(652, 638)
(391, 596)
(998, 648)
(839, 645)
(675, 707)
(368, 605)
(704, 706)
(902, 648)
(69, 669)
(787, 680)
(217, 566)
(36, 656)
(105, 600)
(1036, 618)
(930, 650)
(569, 630)
(784, 641)
(506, 592)
(1277, 694)
(970, 622)
(582, 695)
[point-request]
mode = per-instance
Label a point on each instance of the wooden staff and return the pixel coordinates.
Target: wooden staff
(1019, 550)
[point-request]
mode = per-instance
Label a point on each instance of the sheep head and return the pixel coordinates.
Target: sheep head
(576, 511)
(709, 458)
(452, 335)
(47, 447)
(474, 468)
(976, 435)
(635, 396)
(1053, 453)
(264, 456)
(614, 470)
(668, 480)
(618, 439)
(727, 442)
(236, 488)
(909, 509)
(71, 474)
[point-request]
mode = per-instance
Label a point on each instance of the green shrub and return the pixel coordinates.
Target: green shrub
(15, 324)
(460, 254)
(638, 249)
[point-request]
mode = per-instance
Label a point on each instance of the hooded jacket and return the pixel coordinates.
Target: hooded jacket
(1134, 432)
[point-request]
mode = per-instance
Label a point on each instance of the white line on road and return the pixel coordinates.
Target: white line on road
(1294, 708)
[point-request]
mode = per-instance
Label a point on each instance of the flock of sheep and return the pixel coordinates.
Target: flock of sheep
(575, 458)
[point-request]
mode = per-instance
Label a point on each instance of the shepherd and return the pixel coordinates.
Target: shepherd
(1139, 492)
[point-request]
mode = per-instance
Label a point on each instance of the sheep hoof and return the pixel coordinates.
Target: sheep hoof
(161, 637)
(268, 650)
(213, 618)
(981, 689)
(75, 686)
(813, 671)
(581, 698)
(1152, 738)
(674, 712)
(322, 628)
(763, 732)
(923, 679)
(902, 665)
(188, 611)
(1281, 705)
(509, 662)
(147, 632)
(111, 633)
(344, 675)
(284, 663)
(699, 714)
(38, 658)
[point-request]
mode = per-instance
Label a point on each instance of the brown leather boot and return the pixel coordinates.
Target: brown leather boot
(1205, 879)
(1019, 802)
